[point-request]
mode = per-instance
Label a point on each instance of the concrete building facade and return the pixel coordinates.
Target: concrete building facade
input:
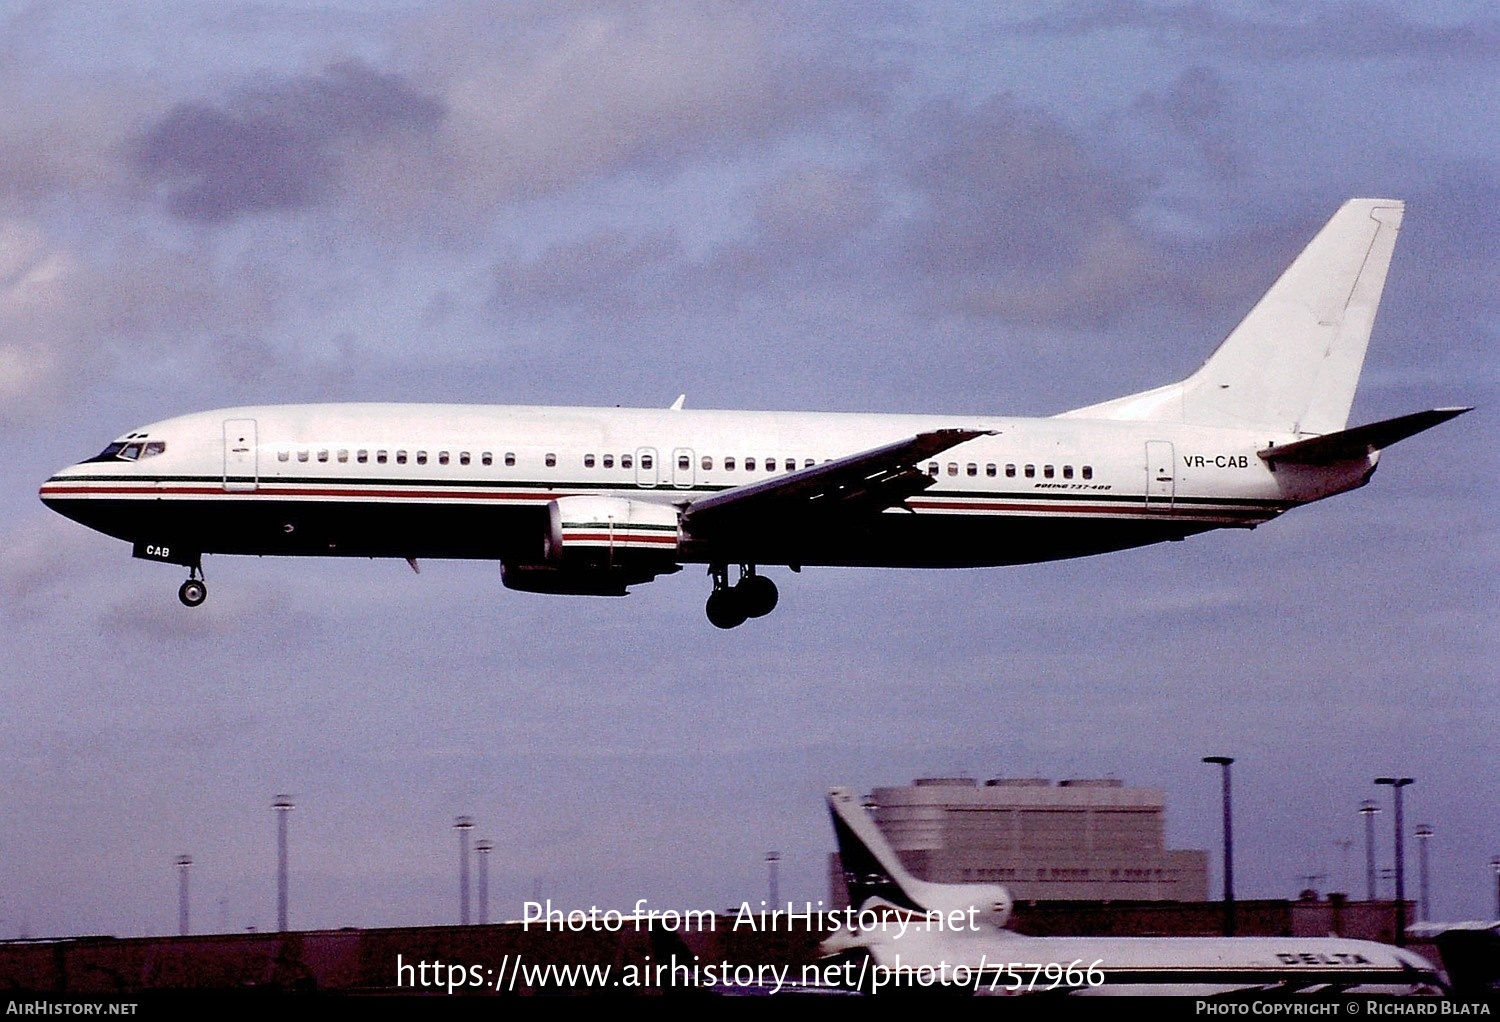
(1072, 840)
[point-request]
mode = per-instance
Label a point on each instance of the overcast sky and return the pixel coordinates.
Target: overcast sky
(921, 208)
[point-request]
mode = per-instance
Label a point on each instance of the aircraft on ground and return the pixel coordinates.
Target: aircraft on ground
(592, 501)
(903, 935)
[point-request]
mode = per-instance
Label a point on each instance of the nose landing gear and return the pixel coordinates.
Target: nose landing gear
(194, 591)
(731, 606)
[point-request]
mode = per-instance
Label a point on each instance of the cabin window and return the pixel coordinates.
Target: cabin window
(1067, 471)
(442, 457)
(381, 457)
(1047, 471)
(684, 462)
(953, 468)
(283, 455)
(401, 457)
(749, 464)
(463, 457)
(808, 462)
(729, 463)
(510, 459)
(486, 458)
(323, 455)
(989, 470)
(421, 457)
(362, 456)
(588, 461)
(609, 461)
(1010, 471)
(1030, 471)
(301, 455)
(626, 461)
(646, 461)
(973, 469)
(707, 463)
(932, 468)
(1088, 471)
(343, 455)
(550, 460)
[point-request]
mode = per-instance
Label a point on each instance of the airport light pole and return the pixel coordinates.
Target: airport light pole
(283, 806)
(1368, 809)
(1495, 865)
(184, 863)
(1423, 834)
(1396, 784)
(1224, 762)
(483, 847)
(463, 825)
(772, 858)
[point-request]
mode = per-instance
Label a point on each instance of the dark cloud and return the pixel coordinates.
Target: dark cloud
(607, 272)
(1197, 107)
(1021, 217)
(280, 147)
(1346, 30)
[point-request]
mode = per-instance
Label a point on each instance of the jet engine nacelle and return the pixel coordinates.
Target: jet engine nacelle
(597, 546)
(980, 905)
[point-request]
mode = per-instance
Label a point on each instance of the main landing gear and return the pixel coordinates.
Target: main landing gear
(194, 591)
(729, 606)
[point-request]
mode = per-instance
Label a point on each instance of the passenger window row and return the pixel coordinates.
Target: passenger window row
(401, 456)
(705, 462)
(1029, 471)
(381, 456)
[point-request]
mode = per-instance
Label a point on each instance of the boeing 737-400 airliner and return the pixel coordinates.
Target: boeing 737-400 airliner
(592, 501)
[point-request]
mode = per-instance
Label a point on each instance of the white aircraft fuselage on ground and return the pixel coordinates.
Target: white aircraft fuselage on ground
(902, 934)
(591, 501)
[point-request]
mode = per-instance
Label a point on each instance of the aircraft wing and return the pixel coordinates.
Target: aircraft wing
(869, 481)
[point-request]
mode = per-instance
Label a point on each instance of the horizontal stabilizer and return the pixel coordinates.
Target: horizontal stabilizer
(1359, 442)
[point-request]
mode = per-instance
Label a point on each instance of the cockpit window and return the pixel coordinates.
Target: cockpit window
(131, 450)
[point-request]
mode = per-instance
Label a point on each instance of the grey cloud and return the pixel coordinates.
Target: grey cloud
(1196, 107)
(569, 94)
(1013, 203)
(811, 207)
(67, 320)
(1344, 30)
(279, 147)
(606, 272)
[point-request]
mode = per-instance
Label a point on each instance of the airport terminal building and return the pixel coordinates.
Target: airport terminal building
(1071, 840)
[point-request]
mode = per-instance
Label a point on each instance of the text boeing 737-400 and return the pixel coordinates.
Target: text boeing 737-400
(592, 501)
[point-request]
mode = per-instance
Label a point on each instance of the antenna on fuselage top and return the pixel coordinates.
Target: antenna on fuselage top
(677, 405)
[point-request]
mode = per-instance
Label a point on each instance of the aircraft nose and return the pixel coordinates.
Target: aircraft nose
(58, 490)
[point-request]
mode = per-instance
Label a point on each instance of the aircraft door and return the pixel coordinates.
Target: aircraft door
(645, 466)
(1161, 474)
(241, 470)
(682, 468)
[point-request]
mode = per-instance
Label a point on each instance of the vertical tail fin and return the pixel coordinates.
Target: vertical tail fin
(873, 872)
(871, 869)
(1293, 363)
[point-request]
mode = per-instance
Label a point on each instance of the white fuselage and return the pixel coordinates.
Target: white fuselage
(454, 480)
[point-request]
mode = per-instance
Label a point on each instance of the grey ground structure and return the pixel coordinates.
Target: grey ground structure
(1071, 840)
